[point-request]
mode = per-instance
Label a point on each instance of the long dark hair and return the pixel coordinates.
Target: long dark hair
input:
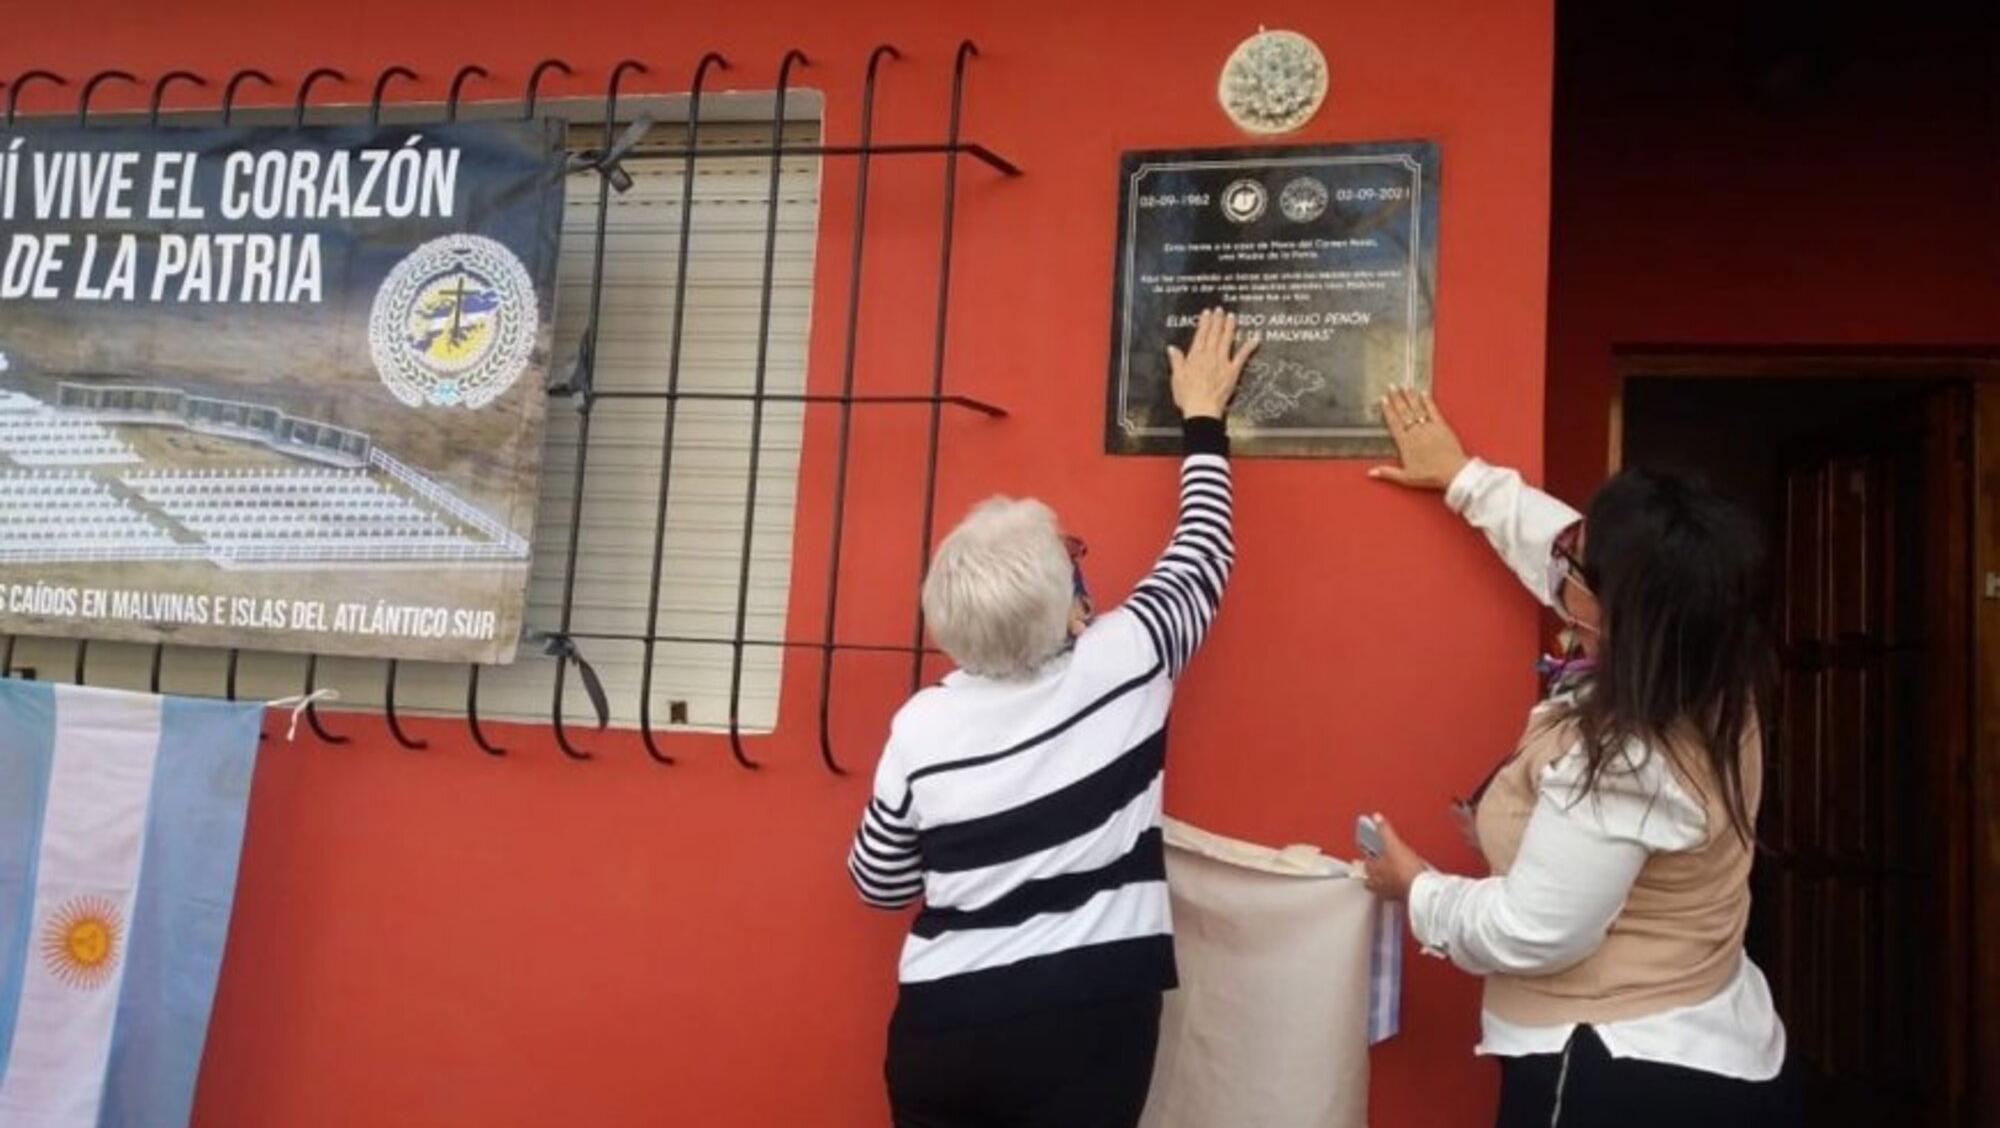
(1685, 657)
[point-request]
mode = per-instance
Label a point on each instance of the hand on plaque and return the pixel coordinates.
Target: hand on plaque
(1429, 452)
(1205, 375)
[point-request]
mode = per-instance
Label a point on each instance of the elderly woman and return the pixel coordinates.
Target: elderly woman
(1020, 801)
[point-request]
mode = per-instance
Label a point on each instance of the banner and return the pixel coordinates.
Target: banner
(276, 388)
(121, 822)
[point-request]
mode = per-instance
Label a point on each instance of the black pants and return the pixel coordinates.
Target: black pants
(1073, 1067)
(1600, 1091)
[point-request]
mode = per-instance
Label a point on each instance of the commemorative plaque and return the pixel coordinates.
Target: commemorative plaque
(1328, 252)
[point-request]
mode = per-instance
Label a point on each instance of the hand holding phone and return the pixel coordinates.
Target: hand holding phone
(1368, 836)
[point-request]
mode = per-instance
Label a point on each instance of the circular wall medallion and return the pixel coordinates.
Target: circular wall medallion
(454, 324)
(1273, 82)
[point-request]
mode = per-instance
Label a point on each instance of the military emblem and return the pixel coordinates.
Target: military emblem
(1244, 200)
(1303, 200)
(454, 324)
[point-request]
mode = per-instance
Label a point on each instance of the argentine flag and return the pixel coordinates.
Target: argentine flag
(121, 821)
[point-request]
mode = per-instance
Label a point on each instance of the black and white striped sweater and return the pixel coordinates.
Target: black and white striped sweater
(1026, 814)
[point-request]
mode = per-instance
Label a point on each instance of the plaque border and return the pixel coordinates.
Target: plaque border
(1126, 270)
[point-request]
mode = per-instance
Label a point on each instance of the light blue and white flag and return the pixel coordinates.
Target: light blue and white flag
(1385, 973)
(121, 822)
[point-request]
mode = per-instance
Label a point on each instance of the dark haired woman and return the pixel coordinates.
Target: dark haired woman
(1619, 832)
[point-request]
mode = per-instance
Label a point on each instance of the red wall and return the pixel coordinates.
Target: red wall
(1732, 173)
(441, 938)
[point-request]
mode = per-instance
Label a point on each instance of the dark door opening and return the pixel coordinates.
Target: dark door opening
(1863, 900)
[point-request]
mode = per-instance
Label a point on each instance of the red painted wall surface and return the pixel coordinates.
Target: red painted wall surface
(440, 938)
(1766, 175)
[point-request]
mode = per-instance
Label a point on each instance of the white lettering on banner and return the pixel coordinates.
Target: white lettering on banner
(84, 185)
(289, 186)
(167, 182)
(163, 608)
(121, 276)
(10, 177)
(299, 185)
(31, 266)
(249, 269)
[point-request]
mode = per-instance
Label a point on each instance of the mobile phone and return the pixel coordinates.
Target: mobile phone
(1368, 836)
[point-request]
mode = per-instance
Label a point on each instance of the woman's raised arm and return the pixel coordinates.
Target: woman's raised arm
(1521, 522)
(1178, 599)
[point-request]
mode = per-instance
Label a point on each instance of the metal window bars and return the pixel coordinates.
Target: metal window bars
(565, 644)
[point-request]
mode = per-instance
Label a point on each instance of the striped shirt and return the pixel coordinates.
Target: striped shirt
(1026, 814)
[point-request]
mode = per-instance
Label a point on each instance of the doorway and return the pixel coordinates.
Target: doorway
(1863, 917)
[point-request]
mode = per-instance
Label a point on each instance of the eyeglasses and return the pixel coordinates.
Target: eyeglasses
(1572, 571)
(1077, 550)
(1565, 551)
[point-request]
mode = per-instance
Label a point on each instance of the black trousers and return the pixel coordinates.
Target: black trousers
(1600, 1091)
(1073, 1067)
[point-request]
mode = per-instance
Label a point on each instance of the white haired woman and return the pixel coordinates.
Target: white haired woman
(1020, 801)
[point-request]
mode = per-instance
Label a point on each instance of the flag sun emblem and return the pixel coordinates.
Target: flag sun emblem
(82, 941)
(454, 324)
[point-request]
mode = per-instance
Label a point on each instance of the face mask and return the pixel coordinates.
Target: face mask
(1561, 575)
(1570, 639)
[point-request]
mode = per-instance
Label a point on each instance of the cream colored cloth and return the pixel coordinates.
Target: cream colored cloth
(1270, 1026)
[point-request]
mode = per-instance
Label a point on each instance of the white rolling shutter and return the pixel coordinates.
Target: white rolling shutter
(710, 467)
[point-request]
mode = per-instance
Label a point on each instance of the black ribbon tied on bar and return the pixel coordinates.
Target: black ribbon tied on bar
(610, 162)
(563, 648)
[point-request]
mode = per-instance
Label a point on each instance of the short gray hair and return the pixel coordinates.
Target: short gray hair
(999, 592)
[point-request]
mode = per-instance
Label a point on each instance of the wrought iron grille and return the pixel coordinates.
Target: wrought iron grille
(609, 153)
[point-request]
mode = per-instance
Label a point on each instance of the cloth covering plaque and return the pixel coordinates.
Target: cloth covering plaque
(1329, 252)
(1278, 986)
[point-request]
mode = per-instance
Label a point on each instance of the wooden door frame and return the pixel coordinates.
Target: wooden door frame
(1986, 756)
(1749, 362)
(1974, 858)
